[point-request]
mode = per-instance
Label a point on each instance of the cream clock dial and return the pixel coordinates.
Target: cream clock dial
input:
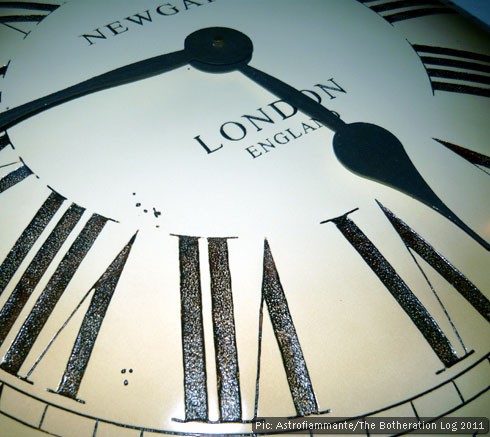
(213, 211)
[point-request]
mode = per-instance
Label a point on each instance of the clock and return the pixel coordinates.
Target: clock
(213, 211)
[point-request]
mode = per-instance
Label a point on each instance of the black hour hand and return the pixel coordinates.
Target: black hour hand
(294, 97)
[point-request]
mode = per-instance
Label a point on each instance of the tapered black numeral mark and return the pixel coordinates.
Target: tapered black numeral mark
(4, 141)
(79, 358)
(451, 274)
(477, 159)
(27, 335)
(456, 71)
(224, 331)
(16, 14)
(400, 10)
(195, 384)
(28, 237)
(4, 68)
(14, 177)
(299, 381)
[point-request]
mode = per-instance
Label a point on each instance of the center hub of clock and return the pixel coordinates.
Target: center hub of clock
(218, 49)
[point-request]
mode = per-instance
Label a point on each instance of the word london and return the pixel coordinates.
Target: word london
(275, 112)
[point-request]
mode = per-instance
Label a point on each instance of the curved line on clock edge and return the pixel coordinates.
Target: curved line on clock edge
(98, 420)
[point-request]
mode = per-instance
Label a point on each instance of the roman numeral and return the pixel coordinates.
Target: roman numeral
(407, 300)
(477, 159)
(226, 353)
(456, 71)
(195, 384)
(27, 335)
(394, 11)
(14, 13)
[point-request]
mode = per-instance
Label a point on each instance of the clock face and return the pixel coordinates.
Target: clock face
(187, 252)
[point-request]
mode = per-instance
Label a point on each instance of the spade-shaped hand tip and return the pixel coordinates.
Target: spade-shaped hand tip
(375, 153)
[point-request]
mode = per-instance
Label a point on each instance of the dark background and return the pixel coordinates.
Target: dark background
(479, 8)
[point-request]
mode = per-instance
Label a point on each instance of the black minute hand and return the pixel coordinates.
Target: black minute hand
(294, 97)
(120, 76)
